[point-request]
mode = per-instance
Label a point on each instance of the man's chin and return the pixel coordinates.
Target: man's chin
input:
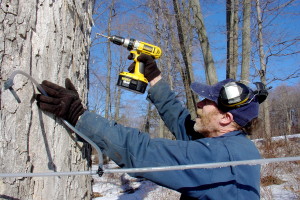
(197, 128)
(201, 131)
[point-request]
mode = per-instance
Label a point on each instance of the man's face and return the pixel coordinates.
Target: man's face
(208, 115)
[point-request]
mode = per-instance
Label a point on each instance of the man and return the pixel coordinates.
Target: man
(215, 136)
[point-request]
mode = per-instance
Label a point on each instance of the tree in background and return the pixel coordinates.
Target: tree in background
(262, 73)
(232, 22)
(285, 110)
(109, 63)
(182, 29)
(266, 53)
(246, 41)
(48, 40)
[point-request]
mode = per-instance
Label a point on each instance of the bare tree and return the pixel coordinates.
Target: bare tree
(48, 40)
(118, 93)
(187, 74)
(246, 41)
(210, 71)
(232, 38)
(265, 105)
(284, 110)
(175, 31)
(109, 63)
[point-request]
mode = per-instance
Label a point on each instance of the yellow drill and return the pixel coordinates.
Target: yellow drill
(135, 81)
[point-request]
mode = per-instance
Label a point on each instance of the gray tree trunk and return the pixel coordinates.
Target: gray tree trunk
(265, 105)
(188, 75)
(117, 104)
(109, 64)
(232, 38)
(118, 93)
(157, 5)
(246, 41)
(148, 119)
(210, 70)
(48, 40)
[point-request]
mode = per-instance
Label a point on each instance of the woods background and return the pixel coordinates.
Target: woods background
(206, 41)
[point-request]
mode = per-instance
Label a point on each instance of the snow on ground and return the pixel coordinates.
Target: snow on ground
(124, 187)
(283, 179)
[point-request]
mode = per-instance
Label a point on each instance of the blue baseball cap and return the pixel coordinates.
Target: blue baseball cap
(242, 115)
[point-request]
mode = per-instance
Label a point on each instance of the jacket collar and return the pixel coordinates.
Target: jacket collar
(232, 133)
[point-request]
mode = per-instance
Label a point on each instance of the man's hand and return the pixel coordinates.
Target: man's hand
(151, 69)
(62, 102)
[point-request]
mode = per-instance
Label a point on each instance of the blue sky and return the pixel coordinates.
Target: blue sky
(284, 27)
(215, 21)
(284, 24)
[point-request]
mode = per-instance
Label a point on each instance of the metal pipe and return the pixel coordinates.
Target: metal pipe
(100, 171)
(43, 174)
(8, 85)
(157, 169)
(203, 166)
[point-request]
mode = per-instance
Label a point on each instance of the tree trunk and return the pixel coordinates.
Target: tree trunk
(148, 119)
(232, 38)
(246, 41)
(187, 76)
(210, 70)
(265, 105)
(117, 104)
(48, 40)
(109, 64)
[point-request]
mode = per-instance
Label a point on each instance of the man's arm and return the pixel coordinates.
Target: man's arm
(130, 148)
(176, 117)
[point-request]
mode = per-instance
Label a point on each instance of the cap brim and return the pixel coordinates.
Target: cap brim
(204, 91)
(210, 92)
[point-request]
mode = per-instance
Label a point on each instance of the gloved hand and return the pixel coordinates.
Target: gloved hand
(151, 69)
(62, 102)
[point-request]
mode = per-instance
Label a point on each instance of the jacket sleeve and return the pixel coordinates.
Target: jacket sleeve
(130, 148)
(176, 117)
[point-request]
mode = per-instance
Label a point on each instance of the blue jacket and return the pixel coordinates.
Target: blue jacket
(130, 148)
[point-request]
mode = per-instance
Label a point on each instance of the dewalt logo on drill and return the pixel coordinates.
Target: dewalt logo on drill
(136, 81)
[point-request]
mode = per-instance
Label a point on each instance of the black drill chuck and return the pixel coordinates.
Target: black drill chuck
(117, 40)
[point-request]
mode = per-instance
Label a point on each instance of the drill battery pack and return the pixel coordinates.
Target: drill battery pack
(133, 83)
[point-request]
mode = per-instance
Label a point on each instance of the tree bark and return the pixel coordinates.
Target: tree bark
(148, 119)
(117, 104)
(265, 105)
(48, 40)
(109, 64)
(187, 76)
(210, 70)
(246, 42)
(232, 38)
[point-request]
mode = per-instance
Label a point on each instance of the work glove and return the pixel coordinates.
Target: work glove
(62, 102)
(151, 69)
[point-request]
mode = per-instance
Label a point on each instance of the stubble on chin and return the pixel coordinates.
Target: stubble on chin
(200, 128)
(204, 124)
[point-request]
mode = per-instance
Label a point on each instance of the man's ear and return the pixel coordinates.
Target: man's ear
(227, 118)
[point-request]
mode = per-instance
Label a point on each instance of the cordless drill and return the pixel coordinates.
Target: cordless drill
(135, 81)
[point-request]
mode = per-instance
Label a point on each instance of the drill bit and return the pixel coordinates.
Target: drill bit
(103, 35)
